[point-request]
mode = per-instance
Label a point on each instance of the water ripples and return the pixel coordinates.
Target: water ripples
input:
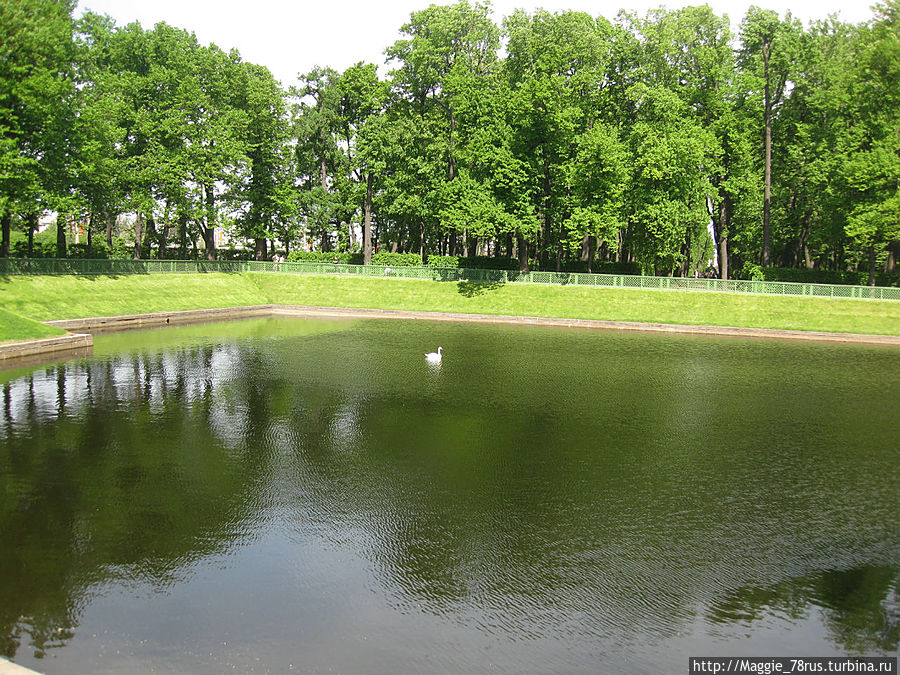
(532, 513)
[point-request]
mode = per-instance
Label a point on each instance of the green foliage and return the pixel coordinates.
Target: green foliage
(753, 272)
(98, 250)
(325, 257)
(605, 267)
(45, 248)
(234, 253)
(472, 262)
(584, 143)
(443, 261)
(37, 85)
(806, 276)
(396, 259)
(480, 262)
(40, 249)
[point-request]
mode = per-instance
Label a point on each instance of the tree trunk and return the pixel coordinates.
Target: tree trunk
(149, 236)
(545, 199)
(367, 220)
(259, 248)
(767, 194)
(183, 236)
(890, 263)
(871, 264)
(209, 232)
(164, 241)
(5, 224)
(109, 230)
(452, 168)
(522, 252)
(559, 249)
(209, 242)
(138, 234)
(60, 236)
(90, 237)
(720, 235)
(588, 245)
(685, 267)
(804, 242)
(422, 240)
(32, 223)
(621, 244)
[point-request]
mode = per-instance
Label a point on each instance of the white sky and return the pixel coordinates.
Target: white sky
(291, 37)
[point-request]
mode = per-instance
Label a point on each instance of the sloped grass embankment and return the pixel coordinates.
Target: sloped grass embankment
(67, 297)
(15, 328)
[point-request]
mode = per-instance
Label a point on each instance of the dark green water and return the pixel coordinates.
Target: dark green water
(273, 495)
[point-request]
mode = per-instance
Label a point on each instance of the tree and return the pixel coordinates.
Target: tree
(598, 182)
(810, 198)
(36, 86)
(448, 49)
(557, 69)
(261, 196)
(873, 165)
(316, 124)
(769, 50)
(99, 179)
(363, 98)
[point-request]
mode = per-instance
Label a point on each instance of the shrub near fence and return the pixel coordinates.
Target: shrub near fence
(389, 259)
(320, 257)
(15, 266)
(804, 276)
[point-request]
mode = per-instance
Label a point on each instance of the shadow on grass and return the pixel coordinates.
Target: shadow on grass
(7, 278)
(472, 288)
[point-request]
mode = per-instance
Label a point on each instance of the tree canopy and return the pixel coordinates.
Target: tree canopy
(561, 140)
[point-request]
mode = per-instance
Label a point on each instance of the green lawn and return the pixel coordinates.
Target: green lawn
(63, 297)
(46, 298)
(15, 328)
(881, 317)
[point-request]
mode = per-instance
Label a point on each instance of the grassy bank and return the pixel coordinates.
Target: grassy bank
(652, 306)
(47, 298)
(15, 328)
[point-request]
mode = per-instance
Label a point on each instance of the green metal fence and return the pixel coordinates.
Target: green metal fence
(48, 266)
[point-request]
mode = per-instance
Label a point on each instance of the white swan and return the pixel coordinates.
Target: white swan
(434, 357)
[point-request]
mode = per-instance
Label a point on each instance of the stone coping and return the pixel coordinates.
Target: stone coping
(10, 668)
(33, 352)
(817, 336)
(99, 324)
(28, 349)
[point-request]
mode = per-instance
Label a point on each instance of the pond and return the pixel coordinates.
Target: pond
(281, 494)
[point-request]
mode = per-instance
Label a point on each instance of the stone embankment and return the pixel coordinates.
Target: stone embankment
(80, 343)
